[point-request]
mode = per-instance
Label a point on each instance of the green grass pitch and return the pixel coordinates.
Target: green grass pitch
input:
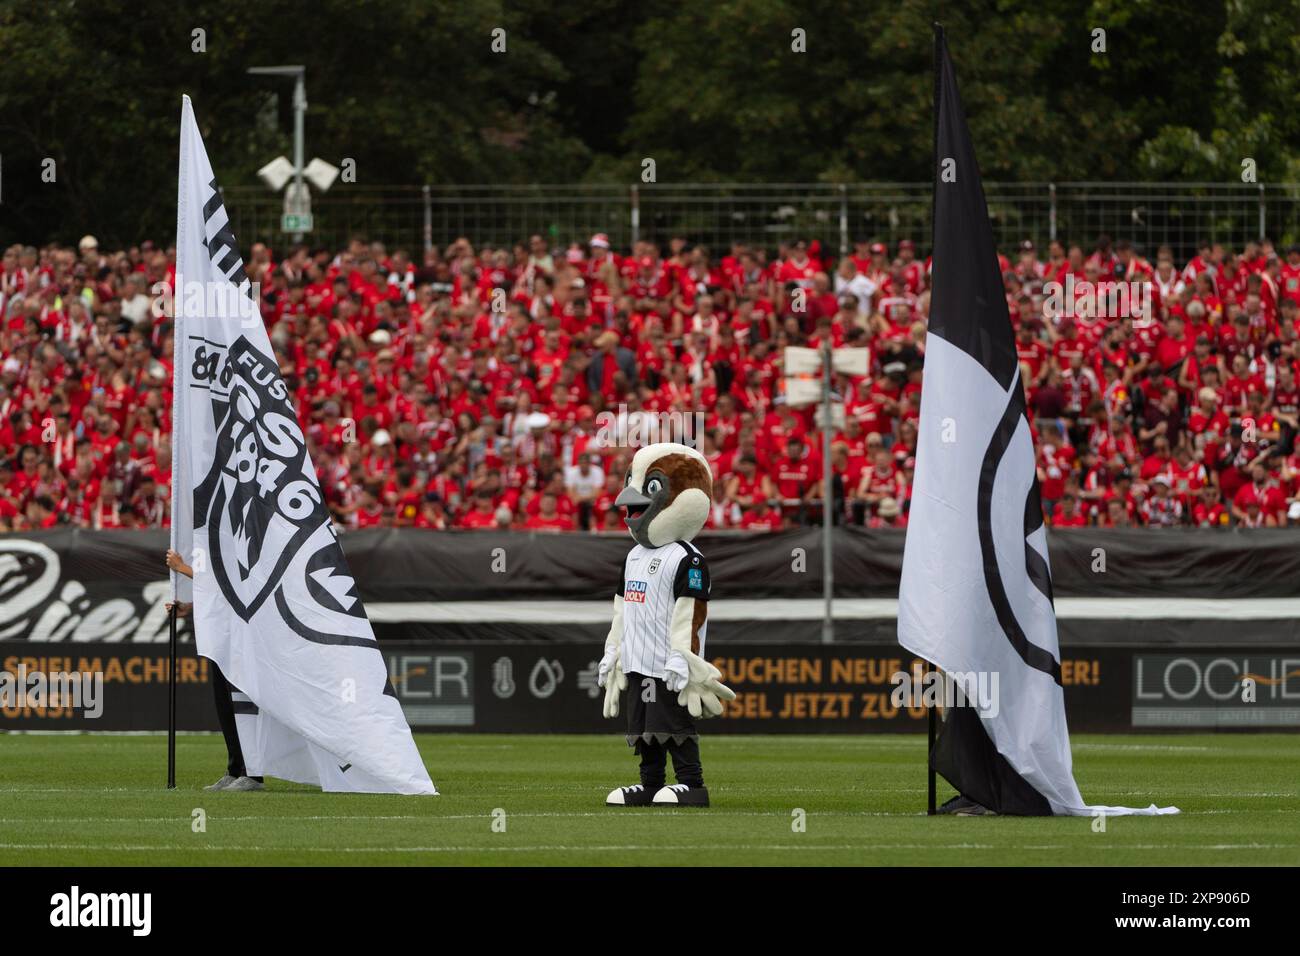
(100, 800)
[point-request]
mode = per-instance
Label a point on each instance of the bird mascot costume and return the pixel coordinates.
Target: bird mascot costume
(654, 654)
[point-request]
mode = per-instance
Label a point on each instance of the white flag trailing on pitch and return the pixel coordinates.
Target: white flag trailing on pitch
(275, 606)
(976, 590)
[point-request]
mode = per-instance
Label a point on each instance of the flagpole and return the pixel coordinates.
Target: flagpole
(933, 727)
(182, 538)
(171, 700)
(932, 719)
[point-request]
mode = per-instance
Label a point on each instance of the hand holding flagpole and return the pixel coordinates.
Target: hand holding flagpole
(175, 609)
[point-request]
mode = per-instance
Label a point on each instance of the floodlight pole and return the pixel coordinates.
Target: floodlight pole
(299, 74)
(299, 116)
(828, 570)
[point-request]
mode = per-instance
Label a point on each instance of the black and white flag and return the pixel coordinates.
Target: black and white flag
(976, 590)
(275, 605)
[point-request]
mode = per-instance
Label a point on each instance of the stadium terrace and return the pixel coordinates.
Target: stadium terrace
(479, 387)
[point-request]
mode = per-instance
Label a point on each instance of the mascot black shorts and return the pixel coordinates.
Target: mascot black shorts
(653, 713)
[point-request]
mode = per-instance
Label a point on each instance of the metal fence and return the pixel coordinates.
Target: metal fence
(718, 214)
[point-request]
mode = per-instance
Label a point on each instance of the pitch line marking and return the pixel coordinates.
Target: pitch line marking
(86, 790)
(661, 813)
(277, 792)
(1159, 748)
(604, 848)
(665, 812)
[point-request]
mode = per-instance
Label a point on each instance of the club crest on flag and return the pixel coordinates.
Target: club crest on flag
(262, 505)
(257, 494)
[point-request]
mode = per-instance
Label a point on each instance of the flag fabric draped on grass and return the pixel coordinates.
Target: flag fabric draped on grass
(275, 606)
(976, 591)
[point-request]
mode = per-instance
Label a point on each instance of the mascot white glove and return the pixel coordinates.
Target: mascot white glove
(677, 673)
(609, 674)
(615, 682)
(694, 680)
(701, 691)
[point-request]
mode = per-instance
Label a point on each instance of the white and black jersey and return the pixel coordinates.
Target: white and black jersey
(653, 580)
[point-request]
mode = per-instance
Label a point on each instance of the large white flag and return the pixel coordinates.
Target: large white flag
(275, 606)
(976, 590)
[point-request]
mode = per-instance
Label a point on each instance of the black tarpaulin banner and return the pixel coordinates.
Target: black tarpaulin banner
(110, 586)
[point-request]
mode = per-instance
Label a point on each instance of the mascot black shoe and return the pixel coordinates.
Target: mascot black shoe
(654, 667)
(680, 795)
(633, 796)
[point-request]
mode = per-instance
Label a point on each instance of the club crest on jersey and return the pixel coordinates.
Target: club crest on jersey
(654, 566)
(634, 593)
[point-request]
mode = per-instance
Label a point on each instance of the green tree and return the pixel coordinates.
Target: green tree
(1243, 104)
(1178, 88)
(410, 89)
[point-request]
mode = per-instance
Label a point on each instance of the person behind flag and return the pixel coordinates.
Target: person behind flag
(274, 602)
(236, 777)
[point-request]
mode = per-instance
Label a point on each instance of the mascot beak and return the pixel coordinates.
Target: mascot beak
(631, 499)
(640, 511)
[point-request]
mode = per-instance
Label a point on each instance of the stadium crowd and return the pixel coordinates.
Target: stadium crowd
(491, 387)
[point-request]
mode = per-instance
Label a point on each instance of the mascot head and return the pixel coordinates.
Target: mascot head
(668, 494)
